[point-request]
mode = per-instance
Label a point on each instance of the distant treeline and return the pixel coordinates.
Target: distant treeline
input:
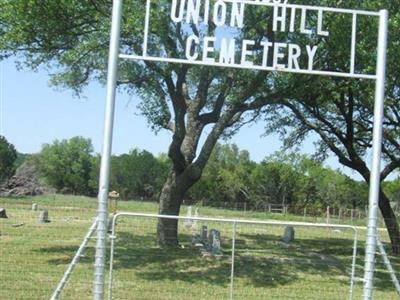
(70, 166)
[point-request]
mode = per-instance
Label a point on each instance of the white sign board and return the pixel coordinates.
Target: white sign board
(227, 50)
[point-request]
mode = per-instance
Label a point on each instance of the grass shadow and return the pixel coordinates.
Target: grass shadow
(67, 253)
(261, 260)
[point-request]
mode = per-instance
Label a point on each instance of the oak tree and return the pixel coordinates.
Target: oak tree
(70, 37)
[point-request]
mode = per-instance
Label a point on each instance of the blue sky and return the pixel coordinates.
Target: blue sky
(34, 113)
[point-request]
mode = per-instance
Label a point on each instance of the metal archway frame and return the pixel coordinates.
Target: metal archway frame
(379, 77)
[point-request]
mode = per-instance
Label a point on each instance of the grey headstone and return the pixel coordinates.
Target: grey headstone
(3, 214)
(204, 234)
(215, 241)
(288, 235)
(44, 216)
(34, 207)
(196, 240)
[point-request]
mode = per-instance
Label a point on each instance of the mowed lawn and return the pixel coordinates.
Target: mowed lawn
(34, 256)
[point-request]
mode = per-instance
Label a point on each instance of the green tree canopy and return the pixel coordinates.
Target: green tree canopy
(301, 181)
(71, 37)
(67, 165)
(340, 111)
(137, 175)
(226, 178)
(392, 189)
(8, 156)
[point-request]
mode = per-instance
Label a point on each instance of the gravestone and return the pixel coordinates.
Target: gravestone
(204, 234)
(44, 216)
(34, 207)
(196, 240)
(215, 242)
(3, 214)
(188, 222)
(288, 236)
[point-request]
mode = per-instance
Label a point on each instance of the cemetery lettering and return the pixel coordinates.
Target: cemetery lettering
(279, 55)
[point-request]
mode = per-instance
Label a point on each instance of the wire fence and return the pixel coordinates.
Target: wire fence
(35, 250)
(327, 214)
(270, 261)
(233, 260)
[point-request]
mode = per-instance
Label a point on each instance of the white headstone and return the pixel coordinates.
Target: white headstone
(3, 214)
(44, 216)
(188, 222)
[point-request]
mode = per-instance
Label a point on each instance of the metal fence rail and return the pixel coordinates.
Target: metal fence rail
(252, 263)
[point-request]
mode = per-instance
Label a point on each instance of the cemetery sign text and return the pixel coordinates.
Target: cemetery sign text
(231, 13)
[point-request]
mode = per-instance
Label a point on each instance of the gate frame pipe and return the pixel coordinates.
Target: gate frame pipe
(99, 267)
(98, 289)
(376, 157)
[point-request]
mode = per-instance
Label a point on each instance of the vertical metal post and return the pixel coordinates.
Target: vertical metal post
(233, 260)
(112, 246)
(353, 44)
(98, 289)
(353, 264)
(376, 158)
(146, 28)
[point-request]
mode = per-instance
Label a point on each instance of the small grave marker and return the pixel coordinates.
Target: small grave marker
(196, 241)
(204, 234)
(188, 222)
(44, 216)
(288, 236)
(215, 239)
(3, 214)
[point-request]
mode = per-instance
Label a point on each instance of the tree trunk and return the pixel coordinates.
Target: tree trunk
(390, 222)
(171, 199)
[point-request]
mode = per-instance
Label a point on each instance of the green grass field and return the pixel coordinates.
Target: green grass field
(34, 256)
